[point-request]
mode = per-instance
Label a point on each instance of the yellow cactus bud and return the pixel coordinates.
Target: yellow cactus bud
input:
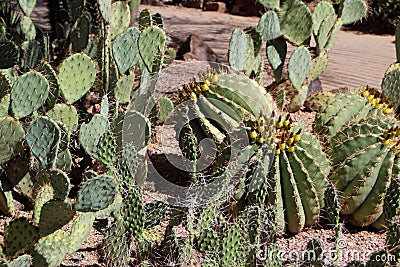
(279, 124)
(286, 124)
(373, 102)
(388, 110)
(277, 151)
(205, 87)
(291, 149)
(297, 137)
(253, 134)
(261, 128)
(282, 146)
(290, 140)
(365, 93)
(370, 97)
(260, 140)
(214, 78)
(385, 142)
(193, 95)
(379, 106)
(378, 100)
(207, 82)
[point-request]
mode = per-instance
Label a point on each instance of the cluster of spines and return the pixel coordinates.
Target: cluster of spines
(285, 138)
(377, 100)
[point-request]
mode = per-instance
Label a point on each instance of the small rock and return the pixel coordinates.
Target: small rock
(194, 48)
(215, 6)
(247, 8)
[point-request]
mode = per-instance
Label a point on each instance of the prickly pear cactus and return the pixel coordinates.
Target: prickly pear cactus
(12, 134)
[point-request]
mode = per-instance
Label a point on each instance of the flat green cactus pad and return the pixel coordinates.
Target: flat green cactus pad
(125, 50)
(120, 18)
(151, 43)
(67, 115)
(27, 6)
(12, 135)
(90, 133)
(18, 236)
(76, 76)
(29, 92)
(51, 250)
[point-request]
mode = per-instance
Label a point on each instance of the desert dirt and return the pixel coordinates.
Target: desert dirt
(356, 59)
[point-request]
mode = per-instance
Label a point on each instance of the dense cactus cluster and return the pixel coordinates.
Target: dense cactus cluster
(76, 121)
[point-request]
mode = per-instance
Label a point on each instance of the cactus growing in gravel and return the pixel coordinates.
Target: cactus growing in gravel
(298, 177)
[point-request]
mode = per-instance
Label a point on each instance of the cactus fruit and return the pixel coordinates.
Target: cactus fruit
(12, 135)
(51, 250)
(119, 19)
(269, 26)
(76, 76)
(91, 132)
(43, 137)
(296, 21)
(298, 66)
(125, 50)
(19, 236)
(96, 194)
(54, 214)
(29, 92)
(151, 43)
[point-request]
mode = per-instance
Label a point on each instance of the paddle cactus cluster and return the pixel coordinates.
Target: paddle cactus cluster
(293, 23)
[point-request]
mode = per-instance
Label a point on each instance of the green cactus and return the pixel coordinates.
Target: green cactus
(12, 136)
(392, 200)
(125, 50)
(299, 177)
(119, 18)
(32, 54)
(145, 19)
(24, 100)
(269, 26)
(352, 11)
(5, 85)
(5, 105)
(124, 87)
(154, 213)
(54, 214)
(106, 148)
(318, 66)
(117, 246)
(296, 21)
(162, 109)
(19, 236)
(332, 205)
(43, 194)
(96, 194)
(60, 183)
(364, 163)
(43, 137)
(67, 115)
(47, 70)
(80, 231)
(76, 76)
(127, 165)
(151, 44)
(390, 83)
(22, 261)
(79, 35)
(91, 132)
(105, 9)
(51, 250)
(27, 6)
(298, 66)
(276, 54)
